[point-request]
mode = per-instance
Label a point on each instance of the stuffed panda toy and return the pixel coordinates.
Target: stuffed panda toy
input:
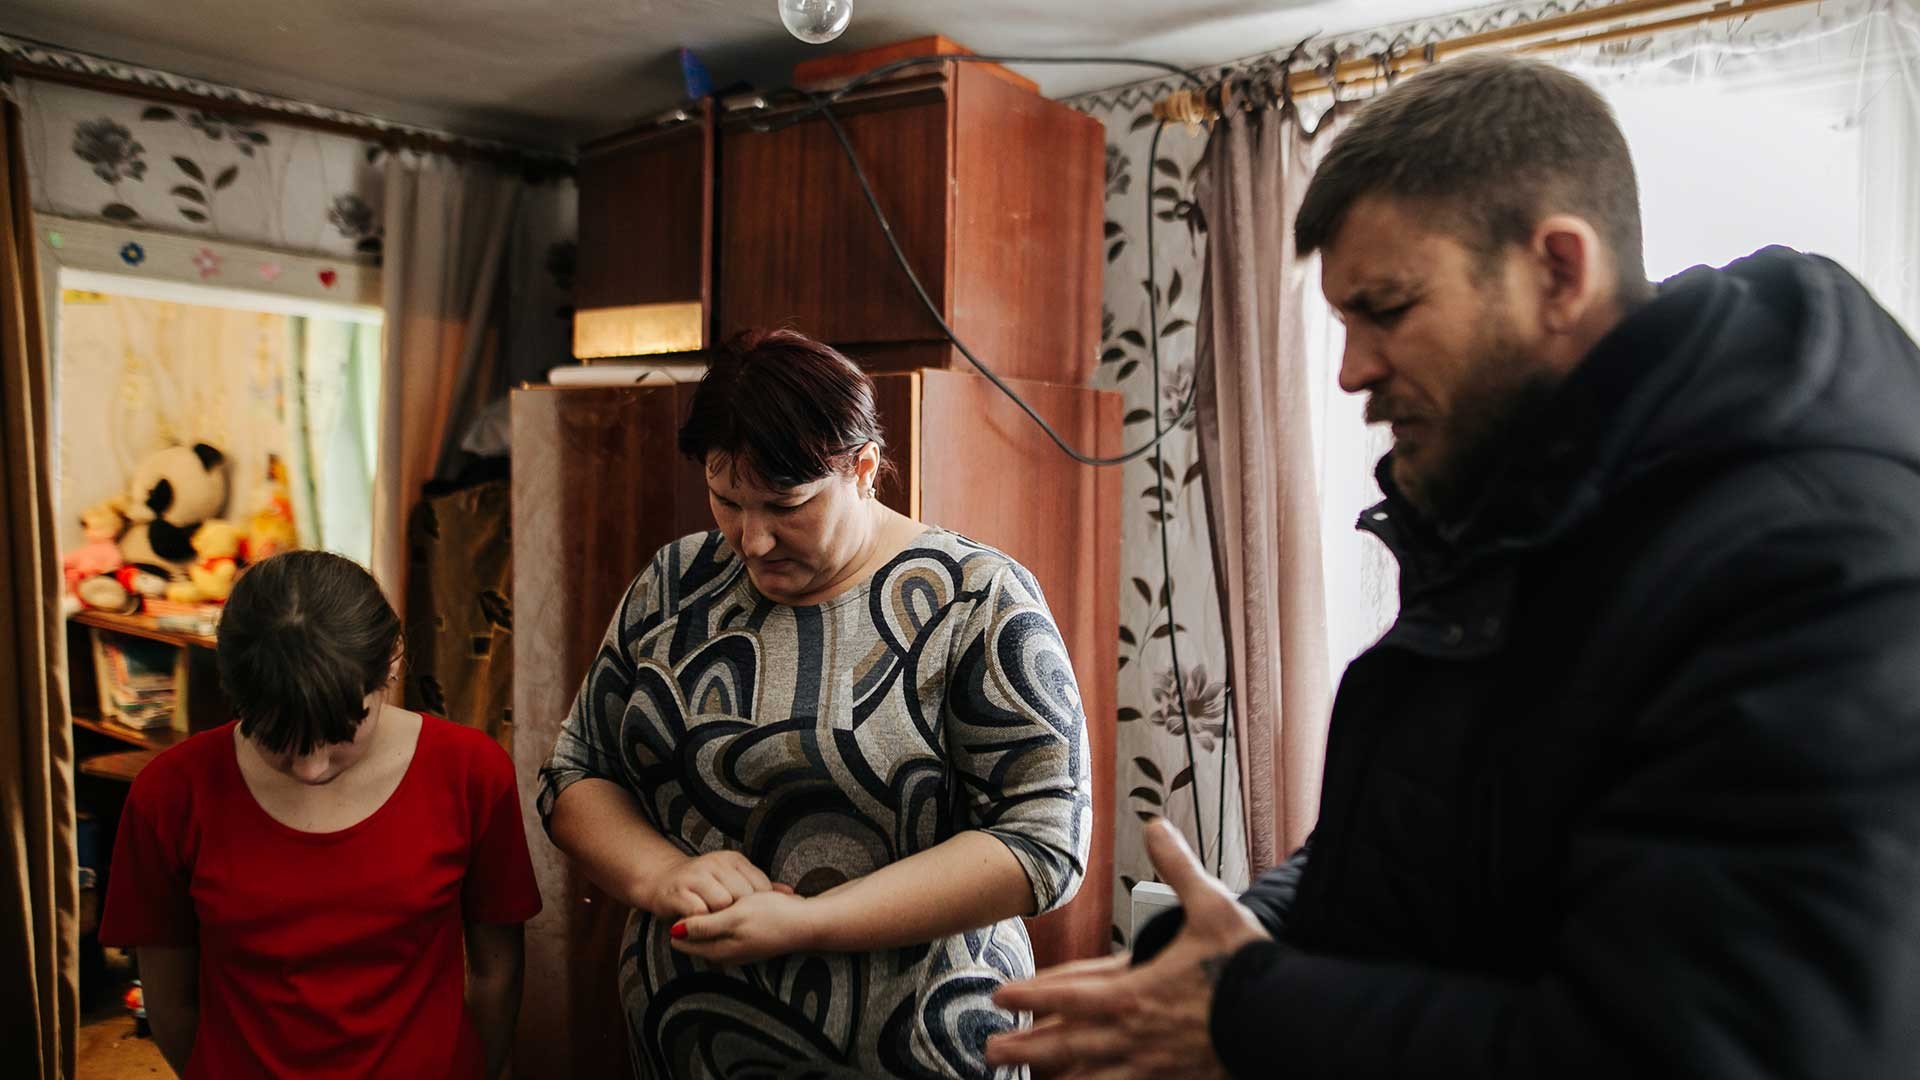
(173, 491)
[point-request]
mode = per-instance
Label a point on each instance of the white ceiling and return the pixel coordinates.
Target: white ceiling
(552, 73)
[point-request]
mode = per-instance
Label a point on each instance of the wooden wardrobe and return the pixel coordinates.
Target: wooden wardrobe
(703, 224)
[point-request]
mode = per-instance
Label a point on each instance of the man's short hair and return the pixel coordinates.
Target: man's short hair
(1486, 146)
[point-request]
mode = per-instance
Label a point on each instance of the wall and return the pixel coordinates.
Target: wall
(266, 188)
(102, 156)
(1156, 773)
(137, 374)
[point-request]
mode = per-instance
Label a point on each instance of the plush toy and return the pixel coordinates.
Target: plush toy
(210, 578)
(173, 491)
(103, 592)
(271, 530)
(137, 580)
(100, 555)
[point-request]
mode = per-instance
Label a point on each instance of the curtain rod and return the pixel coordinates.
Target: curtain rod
(1613, 22)
(94, 73)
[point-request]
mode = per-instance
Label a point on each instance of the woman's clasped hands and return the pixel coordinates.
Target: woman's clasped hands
(727, 911)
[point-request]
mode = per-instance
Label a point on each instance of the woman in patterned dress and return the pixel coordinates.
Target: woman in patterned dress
(829, 755)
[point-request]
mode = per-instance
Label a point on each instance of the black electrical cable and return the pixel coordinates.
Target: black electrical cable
(1160, 482)
(1220, 815)
(900, 256)
(822, 105)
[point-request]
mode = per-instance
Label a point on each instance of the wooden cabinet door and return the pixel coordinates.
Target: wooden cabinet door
(642, 284)
(798, 244)
(598, 488)
(1029, 190)
(984, 470)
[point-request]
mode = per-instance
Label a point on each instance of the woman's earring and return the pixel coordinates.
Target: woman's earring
(867, 494)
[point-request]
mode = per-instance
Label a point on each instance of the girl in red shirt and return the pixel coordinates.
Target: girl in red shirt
(328, 886)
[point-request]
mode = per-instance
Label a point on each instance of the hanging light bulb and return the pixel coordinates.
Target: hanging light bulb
(816, 21)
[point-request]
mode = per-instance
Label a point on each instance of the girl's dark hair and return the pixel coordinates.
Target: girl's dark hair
(305, 637)
(783, 407)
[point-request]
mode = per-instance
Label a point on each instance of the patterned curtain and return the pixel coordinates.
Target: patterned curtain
(459, 617)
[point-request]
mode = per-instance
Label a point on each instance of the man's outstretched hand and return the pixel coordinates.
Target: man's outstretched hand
(1102, 1020)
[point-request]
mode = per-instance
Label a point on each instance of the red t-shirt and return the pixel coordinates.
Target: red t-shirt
(336, 954)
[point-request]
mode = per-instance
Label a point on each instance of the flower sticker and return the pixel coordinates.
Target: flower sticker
(133, 254)
(56, 241)
(207, 263)
(269, 271)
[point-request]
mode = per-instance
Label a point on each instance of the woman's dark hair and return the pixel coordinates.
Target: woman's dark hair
(305, 637)
(783, 407)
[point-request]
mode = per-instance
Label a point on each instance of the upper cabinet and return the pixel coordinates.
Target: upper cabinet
(798, 242)
(643, 281)
(993, 193)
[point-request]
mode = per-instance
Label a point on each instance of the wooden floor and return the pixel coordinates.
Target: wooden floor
(108, 1048)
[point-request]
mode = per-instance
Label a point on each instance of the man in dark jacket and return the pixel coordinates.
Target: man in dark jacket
(1631, 788)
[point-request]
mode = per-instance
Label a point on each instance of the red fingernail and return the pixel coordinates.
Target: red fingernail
(679, 931)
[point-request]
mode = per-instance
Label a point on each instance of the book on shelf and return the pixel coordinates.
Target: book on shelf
(145, 716)
(142, 682)
(200, 619)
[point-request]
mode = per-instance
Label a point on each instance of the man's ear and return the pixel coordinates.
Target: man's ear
(1575, 271)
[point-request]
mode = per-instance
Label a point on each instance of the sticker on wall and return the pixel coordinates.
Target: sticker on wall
(55, 240)
(328, 277)
(133, 254)
(207, 263)
(269, 271)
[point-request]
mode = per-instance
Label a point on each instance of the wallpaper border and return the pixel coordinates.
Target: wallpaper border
(26, 50)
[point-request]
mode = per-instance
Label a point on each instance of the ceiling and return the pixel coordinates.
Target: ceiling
(551, 74)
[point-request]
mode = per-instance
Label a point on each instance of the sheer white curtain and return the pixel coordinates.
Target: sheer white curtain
(1798, 127)
(1361, 579)
(333, 432)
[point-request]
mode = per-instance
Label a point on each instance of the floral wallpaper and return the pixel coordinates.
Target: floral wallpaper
(1157, 775)
(178, 371)
(189, 171)
(192, 172)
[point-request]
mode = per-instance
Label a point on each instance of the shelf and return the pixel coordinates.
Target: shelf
(140, 626)
(156, 739)
(123, 766)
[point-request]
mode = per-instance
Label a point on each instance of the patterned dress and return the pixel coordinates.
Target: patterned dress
(824, 743)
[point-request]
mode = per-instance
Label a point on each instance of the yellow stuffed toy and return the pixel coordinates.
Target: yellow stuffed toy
(271, 529)
(216, 546)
